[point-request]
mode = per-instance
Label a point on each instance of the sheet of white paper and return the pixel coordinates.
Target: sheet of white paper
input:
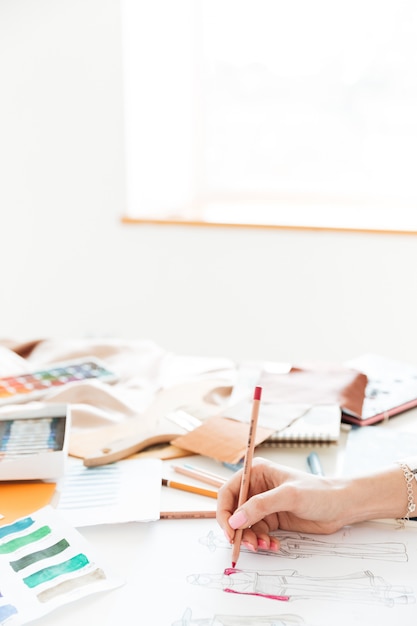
(276, 416)
(174, 571)
(44, 564)
(119, 492)
(365, 574)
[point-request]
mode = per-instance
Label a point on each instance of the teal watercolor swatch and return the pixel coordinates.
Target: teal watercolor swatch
(49, 573)
(16, 527)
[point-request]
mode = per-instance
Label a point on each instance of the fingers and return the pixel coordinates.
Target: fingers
(263, 504)
(258, 538)
(227, 500)
(258, 518)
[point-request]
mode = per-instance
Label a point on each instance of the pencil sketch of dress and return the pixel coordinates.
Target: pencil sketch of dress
(240, 620)
(296, 545)
(288, 585)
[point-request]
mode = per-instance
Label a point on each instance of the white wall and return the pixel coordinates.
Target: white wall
(71, 269)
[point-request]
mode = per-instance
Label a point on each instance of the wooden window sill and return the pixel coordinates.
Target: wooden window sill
(171, 220)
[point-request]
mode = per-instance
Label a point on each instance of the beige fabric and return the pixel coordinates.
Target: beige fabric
(137, 365)
(142, 368)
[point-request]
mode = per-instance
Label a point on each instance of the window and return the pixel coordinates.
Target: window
(298, 113)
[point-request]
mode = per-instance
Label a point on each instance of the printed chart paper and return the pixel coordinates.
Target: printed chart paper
(128, 491)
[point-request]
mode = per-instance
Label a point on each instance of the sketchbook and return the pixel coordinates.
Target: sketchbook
(391, 389)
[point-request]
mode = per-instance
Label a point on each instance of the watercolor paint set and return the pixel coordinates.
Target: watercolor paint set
(34, 385)
(34, 442)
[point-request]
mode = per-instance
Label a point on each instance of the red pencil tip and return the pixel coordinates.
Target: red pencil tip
(233, 564)
(257, 393)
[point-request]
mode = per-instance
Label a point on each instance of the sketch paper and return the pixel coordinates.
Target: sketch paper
(128, 491)
(44, 564)
(364, 574)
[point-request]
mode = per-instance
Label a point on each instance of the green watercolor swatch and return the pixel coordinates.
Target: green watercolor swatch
(19, 542)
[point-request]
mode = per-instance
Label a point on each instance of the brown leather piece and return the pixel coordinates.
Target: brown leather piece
(23, 349)
(319, 384)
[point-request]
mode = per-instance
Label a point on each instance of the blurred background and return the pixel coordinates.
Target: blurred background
(300, 115)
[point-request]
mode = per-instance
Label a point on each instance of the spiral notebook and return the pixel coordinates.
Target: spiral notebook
(320, 425)
(300, 406)
(294, 424)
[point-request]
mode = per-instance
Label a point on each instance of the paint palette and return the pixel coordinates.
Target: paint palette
(34, 442)
(34, 385)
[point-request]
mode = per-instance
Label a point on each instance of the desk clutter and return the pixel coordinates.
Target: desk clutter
(137, 396)
(73, 456)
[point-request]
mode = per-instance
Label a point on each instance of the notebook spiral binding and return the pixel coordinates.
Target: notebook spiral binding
(299, 440)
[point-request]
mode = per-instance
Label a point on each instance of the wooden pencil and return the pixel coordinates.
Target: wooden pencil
(244, 485)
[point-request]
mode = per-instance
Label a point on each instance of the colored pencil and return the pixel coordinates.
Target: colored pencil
(190, 488)
(187, 514)
(247, 466)
(200, 470)
(205, 477)
(313, 462)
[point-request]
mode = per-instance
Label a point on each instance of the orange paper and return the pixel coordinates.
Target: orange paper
(17, 499)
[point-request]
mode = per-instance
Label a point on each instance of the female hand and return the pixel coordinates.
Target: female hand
(279, 497)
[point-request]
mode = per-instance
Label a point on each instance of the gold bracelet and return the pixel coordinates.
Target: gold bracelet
(411, 505)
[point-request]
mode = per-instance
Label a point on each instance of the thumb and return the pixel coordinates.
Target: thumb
(255, 509)
(239, 519)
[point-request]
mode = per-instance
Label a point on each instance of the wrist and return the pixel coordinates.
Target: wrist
(379, 495)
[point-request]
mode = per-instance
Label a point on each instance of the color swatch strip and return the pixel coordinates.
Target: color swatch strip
(34, 557)
(45, 563)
